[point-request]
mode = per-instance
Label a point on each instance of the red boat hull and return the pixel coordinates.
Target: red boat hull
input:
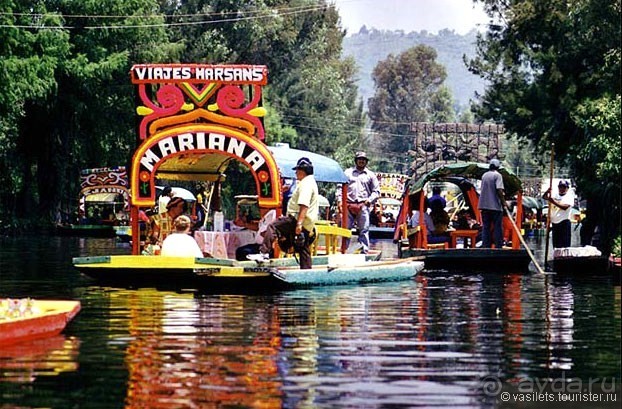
(50, 319)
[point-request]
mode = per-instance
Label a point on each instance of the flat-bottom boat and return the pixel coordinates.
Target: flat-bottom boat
(211, 273)
(475, 260)
(26, 319)
(586, 260)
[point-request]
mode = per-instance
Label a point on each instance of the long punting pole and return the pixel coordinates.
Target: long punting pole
(522, 240)
(548, 216)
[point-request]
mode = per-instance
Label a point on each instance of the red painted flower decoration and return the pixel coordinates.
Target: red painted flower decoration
(144, 176)
(263, 176)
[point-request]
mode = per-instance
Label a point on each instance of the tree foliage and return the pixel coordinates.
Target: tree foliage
(408, 88)
(66, 102)
(554, 70)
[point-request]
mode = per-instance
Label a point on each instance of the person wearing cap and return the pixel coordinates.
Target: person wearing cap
(491, 205)
(297, 227)
(363, 191)
(562, 203)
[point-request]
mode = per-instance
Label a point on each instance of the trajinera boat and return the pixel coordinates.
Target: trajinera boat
(457, 248)
(194, 125)
(387, 207)
(26, 319)
(102, 206)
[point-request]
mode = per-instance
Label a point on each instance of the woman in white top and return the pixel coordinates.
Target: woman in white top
(180, 243)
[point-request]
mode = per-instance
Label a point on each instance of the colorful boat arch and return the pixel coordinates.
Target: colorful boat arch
(195, 119)
(104, 181)
(200, 139)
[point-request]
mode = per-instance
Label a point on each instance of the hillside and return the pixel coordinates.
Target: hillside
(368, 47)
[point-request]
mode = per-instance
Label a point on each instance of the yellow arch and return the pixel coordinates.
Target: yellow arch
(147, 177)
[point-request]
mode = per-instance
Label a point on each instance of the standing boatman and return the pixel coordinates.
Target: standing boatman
(491, 205)
(363, 191)
(561, 203)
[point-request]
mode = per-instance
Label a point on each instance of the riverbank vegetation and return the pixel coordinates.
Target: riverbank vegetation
(66, 102)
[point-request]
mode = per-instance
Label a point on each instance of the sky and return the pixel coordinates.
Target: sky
(411, 15)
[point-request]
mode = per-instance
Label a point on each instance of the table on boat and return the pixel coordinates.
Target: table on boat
(222, 244)
(465, 234)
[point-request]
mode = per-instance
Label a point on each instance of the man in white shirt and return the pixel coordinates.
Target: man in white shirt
(180, 243)
(297, 228)
(561, 203)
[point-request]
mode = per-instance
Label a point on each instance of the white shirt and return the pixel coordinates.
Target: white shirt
(263, 225)
(162, 202)
(305, 194)
(558, 214)
(180, 245)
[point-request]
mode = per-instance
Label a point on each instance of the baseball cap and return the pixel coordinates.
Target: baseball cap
(495, 163)
(563, 183)
(360, 155)
(303, 163)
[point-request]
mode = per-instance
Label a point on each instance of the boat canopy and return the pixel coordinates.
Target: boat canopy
(192, 166)
(181, 192)
(324, 169)
(105, 198)
(468, 170)
(211, 167)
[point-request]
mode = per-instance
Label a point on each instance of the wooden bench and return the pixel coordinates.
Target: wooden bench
(328, 238)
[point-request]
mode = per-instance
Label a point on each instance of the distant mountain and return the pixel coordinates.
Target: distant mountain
(369, 46)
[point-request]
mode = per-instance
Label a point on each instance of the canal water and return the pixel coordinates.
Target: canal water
(440, 340)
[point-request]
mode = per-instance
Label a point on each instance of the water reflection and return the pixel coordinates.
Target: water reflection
(24, 362)
(427, 342)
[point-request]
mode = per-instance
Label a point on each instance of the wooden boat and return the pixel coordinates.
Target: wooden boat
(386, 209)
(585, 260)
(210, 273)
(104, 196)
(195, 139)
(30, 319)
(448, 253)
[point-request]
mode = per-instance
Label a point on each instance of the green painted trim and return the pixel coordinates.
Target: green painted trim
(91, 260)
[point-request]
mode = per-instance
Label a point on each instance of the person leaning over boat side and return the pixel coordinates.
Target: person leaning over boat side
(242, 252)
(296, 228)
(363, 191)
(491, 204)
(179, 243)
(162, 224)
(560, 214)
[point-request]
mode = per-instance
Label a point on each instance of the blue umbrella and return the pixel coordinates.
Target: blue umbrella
(324, 169)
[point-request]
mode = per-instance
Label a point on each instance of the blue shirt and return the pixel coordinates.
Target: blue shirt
(489, 198)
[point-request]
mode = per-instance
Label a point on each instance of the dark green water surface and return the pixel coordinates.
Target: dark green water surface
(441, 340)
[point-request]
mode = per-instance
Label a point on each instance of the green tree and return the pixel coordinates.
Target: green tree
(554, 73)
(312, 91)
(74, 107)
(409, 88)
(66, 102)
